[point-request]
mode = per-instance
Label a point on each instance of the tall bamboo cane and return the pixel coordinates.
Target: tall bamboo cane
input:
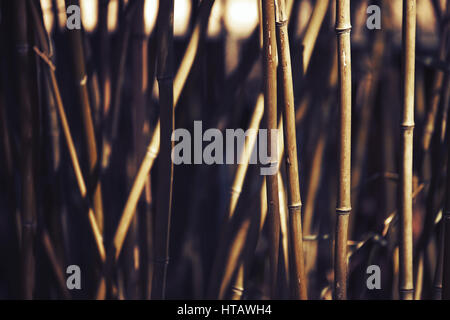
(165, 173)
(406, 147)
(297, 278)
(343, 209)
(270, 105)
(27, 114)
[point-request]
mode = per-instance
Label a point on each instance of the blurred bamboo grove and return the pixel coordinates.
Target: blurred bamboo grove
(87, 179)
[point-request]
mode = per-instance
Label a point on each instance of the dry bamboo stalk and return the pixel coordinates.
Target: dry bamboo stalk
(406, 286)
(83, 96)
(297, 277)
(343, 209)
(285, 241)
(270, 105)
(165, 173)
(27, 125)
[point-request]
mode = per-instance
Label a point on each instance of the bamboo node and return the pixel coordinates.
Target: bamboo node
(237, 289)
(343, 29)
(406, 290)
(405, 126)
(343, 211)
(296, 207)
(281, 23)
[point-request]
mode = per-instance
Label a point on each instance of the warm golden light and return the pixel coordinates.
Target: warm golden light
(89, 14)
(215, 19)
(181, 17)
(113, 10)
(303, 13)
(62, 15)
(49, 18)
(150, 13)
(241, 17)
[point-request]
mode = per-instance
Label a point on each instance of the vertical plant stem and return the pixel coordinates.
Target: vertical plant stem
(297, 270)
(270, 105)
(406, 289)
(27, 161)
(165, 173)
(81, 79)
(343, 209)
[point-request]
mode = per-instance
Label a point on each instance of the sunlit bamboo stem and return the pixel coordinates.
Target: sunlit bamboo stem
(270, 106)
(297, 276)
(343, 209)
(406, 287)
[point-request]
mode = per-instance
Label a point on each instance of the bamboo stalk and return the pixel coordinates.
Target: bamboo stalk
(297, 277)
(406, 287)
(27, 127)
(343, 209)
(270, 105)
(165, 173)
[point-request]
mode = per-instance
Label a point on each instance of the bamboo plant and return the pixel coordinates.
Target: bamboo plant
(298, 278)
(343, 209)
(406, 148)
(165, 176)
(270, 106)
